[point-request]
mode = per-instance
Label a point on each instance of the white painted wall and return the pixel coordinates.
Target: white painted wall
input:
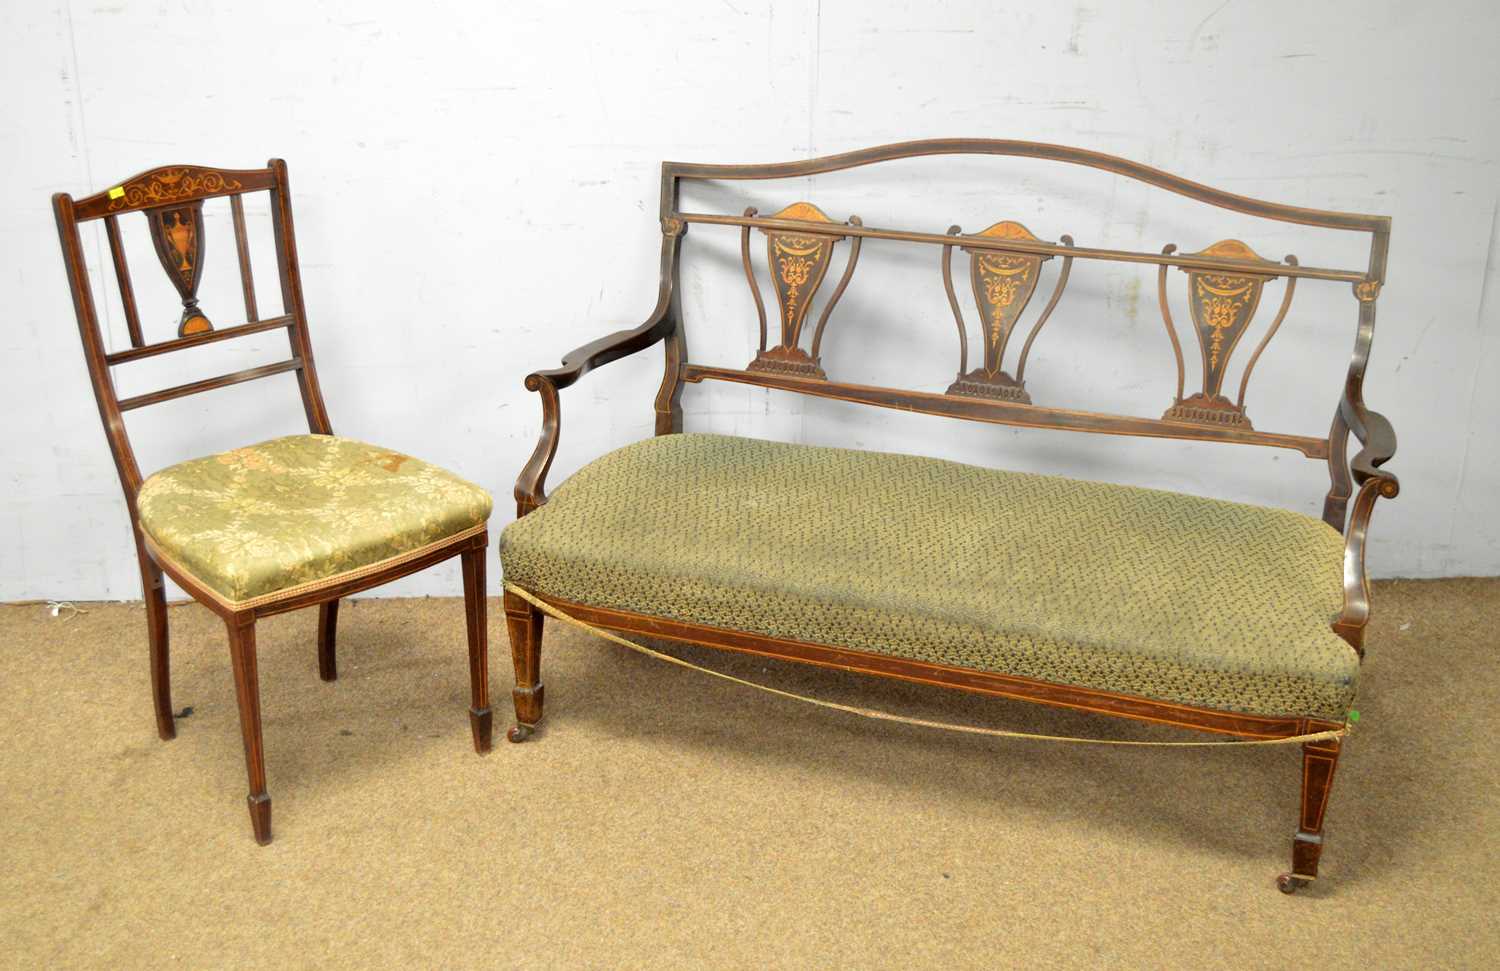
(476, 193)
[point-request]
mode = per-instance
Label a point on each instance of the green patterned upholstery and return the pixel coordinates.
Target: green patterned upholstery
(264, 519)
(1138, 591)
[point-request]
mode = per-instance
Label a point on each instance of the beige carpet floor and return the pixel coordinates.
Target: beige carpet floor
(666, 819)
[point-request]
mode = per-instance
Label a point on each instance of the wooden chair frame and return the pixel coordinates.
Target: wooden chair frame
(171, 198)
(990, 395)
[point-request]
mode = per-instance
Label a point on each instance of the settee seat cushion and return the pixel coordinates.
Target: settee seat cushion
(262, 521)
(1136, 591)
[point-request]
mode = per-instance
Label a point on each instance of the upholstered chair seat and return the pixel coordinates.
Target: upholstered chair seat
(298, 513)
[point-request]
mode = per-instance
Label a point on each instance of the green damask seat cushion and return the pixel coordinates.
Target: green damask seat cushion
(1148, 593)
(262, 520)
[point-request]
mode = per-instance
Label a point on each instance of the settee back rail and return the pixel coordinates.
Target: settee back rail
(1222, 264)
(673, 172)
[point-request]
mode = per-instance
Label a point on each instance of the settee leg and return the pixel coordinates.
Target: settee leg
(524, 622)
(1319, 760)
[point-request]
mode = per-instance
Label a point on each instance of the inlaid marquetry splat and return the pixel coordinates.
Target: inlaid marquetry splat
(1222, 306)
(798, 261)
(178, 234)
(1003, 285)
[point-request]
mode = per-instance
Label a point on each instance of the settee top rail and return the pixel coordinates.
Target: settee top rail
(1186, 261)
(1329, 219)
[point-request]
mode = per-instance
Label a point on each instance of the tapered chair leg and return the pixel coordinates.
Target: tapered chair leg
(524, 622)
(154, 593)
(328, 625)
(247, 692)
(1319, 760)
(477, 621)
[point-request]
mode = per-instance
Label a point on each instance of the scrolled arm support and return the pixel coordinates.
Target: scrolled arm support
(1378, 444)
(532, 482)
(662, 325)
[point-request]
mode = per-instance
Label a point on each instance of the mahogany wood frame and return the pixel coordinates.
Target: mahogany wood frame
(177, 187)
(665, 326)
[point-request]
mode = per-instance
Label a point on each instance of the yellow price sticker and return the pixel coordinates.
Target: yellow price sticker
(118, 192)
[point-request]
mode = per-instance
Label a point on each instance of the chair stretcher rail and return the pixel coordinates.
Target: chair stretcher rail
(197, 340)
(208, 384)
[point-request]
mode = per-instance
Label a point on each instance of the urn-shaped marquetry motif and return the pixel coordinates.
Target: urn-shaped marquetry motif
(1222, 304)
(798, 260)
(177, 232)
(1003, 285)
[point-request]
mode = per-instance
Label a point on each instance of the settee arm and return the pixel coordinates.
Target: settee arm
(597, 353)
(1377, 445)
(531, 484)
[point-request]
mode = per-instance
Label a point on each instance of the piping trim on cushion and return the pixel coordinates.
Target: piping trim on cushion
(312, 586)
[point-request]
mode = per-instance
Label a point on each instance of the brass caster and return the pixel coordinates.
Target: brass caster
(1289, 884)
(520, 733)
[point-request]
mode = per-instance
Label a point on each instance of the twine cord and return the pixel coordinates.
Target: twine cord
(886, 716)
(64, 609)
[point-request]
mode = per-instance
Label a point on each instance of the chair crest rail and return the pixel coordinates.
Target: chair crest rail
(171, 185)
